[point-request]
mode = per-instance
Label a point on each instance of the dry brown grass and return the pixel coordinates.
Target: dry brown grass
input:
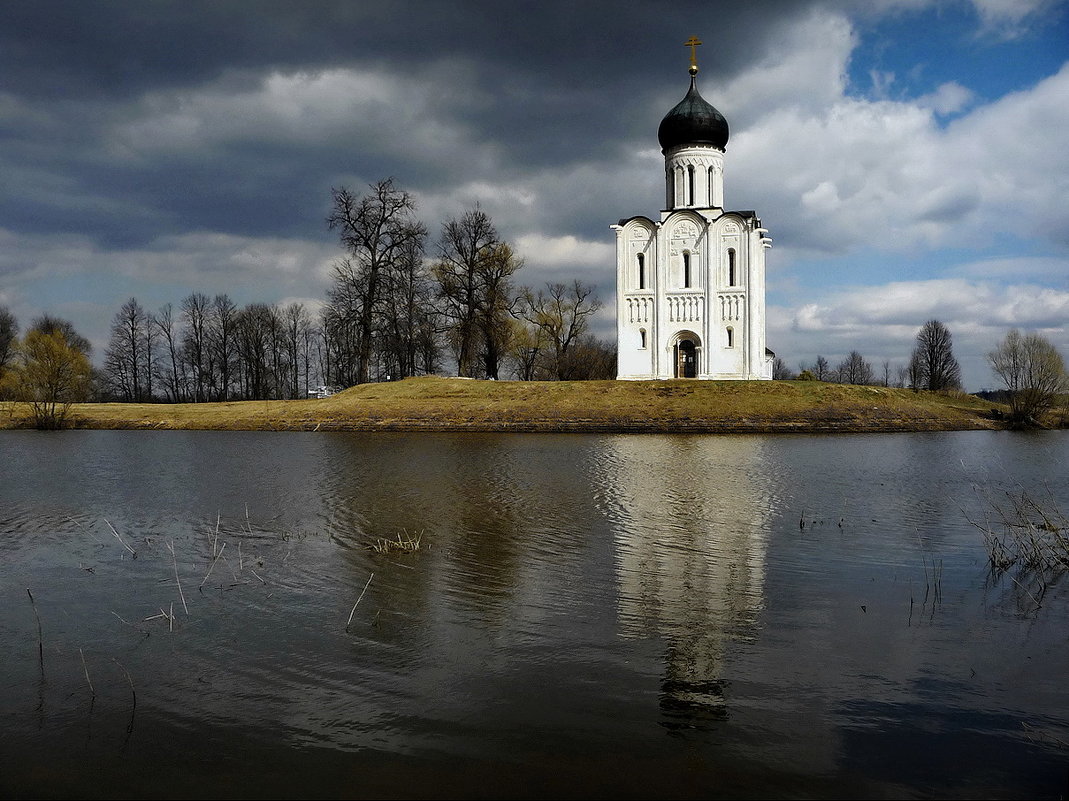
(452, 404)
(402, 543)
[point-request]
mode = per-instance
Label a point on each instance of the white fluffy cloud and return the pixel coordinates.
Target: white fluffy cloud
(954, 300)
(566, 254)
(379, 112)
(1010, 19)
(948, 98)
(837, 173)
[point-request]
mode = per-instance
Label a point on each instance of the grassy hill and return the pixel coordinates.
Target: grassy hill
(454, 404)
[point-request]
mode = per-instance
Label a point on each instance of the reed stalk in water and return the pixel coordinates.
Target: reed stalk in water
(40, 638)
(353, 611)
(120, 539)
(85, 668)
(409, 544)
(133, 693)
(212, 567)
(178, 581)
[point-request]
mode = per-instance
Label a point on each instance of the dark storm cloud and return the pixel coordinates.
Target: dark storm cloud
(123, 48)
(523, 87)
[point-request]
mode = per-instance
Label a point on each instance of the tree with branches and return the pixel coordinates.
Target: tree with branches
(129, 356)
(854, 369)
(497, 302)
(9, 334)
(781, 371)
(49, 373)
(196, 307)
(47, 324)
(409, 321)
(463, 246)
(821, 370)
(170, 369)
(935, 367)
(561, 314)
(474, 274)
(1033, 373)
(376, 230)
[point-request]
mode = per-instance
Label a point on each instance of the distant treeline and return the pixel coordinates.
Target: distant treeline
(932, 365)
(390, 312)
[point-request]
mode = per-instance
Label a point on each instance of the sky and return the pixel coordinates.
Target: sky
(909, 158)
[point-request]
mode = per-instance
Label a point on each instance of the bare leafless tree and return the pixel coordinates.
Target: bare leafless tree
(128, 358)
(1033, 373)
(561, 314)
(476, 296)
(497, 302)
(170, 367)
(375, 230)
(781, 371)
(195, 309)
(887, 372)
(934, 353)
(296, 323)
(821, 370)
(901, 377)
(221, 337)
(48, 324)
(593, 359)
(463, 246)
(257, 327)
(409, 320)
(854, 369)
(915, 372)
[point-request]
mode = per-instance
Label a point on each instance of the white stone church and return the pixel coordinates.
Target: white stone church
(690, 288)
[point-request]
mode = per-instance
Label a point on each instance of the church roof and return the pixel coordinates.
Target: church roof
(693, 121)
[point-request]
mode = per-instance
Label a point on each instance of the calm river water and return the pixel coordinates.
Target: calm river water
(585, 616)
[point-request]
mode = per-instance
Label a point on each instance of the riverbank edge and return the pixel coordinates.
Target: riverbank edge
(431, 404)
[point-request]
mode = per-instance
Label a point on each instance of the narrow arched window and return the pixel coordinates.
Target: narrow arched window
(641, 271)
(731, 266)
(642, 338)
(731, 337)
(710, 186)
(686, 269)
(690, 185)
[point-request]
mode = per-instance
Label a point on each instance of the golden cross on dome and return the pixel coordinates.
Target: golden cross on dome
(692, 43)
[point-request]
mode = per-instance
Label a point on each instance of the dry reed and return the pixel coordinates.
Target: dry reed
(40, 638)
(133, 694)
(120, 539)
(85, 668)
(406, 544)
(358, 600)
(178, 581)
(1029, 537)
(214, 560)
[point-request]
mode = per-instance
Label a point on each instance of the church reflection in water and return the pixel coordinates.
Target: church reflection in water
(690, 542)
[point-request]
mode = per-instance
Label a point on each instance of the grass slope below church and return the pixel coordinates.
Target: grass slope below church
(452, 404)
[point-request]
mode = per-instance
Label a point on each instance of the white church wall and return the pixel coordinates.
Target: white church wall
(701, 274)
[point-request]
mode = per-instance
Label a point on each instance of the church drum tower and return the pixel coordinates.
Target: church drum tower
(690, 288)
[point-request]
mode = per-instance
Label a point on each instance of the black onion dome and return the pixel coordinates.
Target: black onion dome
(693, 122)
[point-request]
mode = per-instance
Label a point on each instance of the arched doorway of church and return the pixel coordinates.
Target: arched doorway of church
(686, 359)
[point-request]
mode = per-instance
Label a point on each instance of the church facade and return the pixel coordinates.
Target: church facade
(690, 287)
